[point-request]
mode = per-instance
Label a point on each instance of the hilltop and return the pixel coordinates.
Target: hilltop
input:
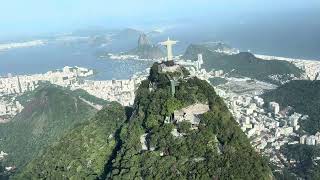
(50, 111)
(127, 33)
(181, 129)
(146, 50)
(242, 64)
(178, 128)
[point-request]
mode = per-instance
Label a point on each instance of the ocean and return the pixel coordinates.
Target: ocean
(267, 38)
(40, 59)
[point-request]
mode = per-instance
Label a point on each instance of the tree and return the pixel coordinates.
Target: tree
(171, 105)
(3, 174)
(151, 122)
(184, 127)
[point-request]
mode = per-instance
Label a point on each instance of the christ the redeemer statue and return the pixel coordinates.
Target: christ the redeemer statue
(169, 43)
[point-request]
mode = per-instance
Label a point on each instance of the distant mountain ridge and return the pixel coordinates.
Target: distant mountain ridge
(242, 64)
(214, 46)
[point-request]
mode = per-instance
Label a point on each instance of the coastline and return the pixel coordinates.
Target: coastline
(8, 46)
(310, 67)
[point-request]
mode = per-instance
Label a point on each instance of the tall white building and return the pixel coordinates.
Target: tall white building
(294, 118)
(311, 140)
(259, 101)
(200, 61)
(274, 107)
(303, 139)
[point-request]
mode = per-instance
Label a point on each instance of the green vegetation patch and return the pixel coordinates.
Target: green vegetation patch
(49, 112)
(243, 64)
(304, 97)
(217, 149)
(81, 153)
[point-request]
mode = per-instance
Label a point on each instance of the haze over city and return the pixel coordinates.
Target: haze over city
(35, 16)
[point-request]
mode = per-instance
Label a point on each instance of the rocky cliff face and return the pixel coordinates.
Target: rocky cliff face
(143, 41)
(146, 50)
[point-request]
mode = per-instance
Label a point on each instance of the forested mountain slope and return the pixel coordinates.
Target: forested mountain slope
(49, 112)
(243, 64)
(179, 128)
(83, 152)
(160, 142)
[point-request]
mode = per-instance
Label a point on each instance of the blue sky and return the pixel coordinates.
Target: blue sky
(18, 17)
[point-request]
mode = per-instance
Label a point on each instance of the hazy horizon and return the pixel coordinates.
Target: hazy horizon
(36, 17)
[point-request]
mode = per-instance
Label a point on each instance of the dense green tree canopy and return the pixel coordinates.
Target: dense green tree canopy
(307, 165)
(217, 149)
(50, 111)
(83, 152)
(149, 144)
